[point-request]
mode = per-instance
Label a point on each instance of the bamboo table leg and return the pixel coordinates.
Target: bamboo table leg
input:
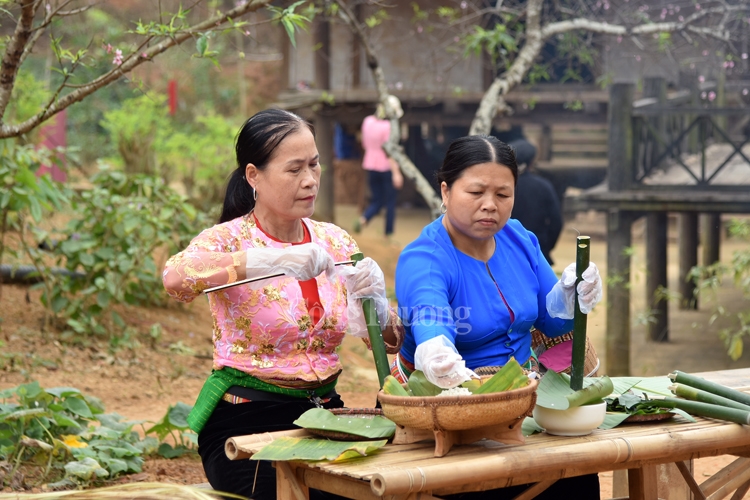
(288, 487)
(642, 483)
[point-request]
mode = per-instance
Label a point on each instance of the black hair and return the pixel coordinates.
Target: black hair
(472, 150)
(256, 143)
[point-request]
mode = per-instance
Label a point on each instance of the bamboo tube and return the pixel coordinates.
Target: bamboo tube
(579, 319)
(693, 394)
(374, 332)
(705, 410)
(712, 387)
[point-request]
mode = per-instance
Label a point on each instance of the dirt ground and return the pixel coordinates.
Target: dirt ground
(140, 379)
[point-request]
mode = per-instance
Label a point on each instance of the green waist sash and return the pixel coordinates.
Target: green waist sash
(221, 380)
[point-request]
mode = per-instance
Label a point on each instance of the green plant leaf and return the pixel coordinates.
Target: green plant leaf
(78, 406)
(62, 392)
(85, 469)
(288, 448)
(177, 415)
(322, 419)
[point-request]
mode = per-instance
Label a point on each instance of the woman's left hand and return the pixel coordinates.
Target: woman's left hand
(560, 300)
(365, 281)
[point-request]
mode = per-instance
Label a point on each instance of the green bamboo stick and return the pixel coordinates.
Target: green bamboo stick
(374, 332)
(583, 247)
(712, 387)
(688, 392)
(704, 409)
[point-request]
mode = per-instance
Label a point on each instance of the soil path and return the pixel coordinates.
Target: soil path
(138, 378)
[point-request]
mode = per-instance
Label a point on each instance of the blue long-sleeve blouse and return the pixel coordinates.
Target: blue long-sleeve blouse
(487, 310)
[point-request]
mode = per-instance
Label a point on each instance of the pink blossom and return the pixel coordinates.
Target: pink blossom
(705, 52)
(464, 5)
(456, 39)
(619, 39)
(118, 58)
(108, 48)
(399, 85)
(240, 3)
(745, 91)
(711, 96)
(419, 29)
(744, 55)
(677, 8)
(703, 95)
(247, 33)
(144, 55)
(681, 18)
(697, 6)
(606, 6)
(48, 8)
(701, 78)
(638, 58)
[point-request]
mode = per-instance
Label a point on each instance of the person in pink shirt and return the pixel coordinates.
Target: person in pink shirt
(275, 341)
(383, 174)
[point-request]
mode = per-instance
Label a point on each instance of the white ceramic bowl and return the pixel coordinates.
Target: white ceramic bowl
(577, 421)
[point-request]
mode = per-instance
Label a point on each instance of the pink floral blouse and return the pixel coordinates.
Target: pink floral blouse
(266, 333)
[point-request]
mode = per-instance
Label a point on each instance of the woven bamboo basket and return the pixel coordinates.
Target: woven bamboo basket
(540, 343)
(460, 412)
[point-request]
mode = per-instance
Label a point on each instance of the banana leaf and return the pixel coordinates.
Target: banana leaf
(366, 427)
(289, 448)
(651, 386)
(529, 427)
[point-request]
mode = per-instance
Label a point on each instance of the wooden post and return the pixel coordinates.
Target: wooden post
(656, 275)
(656, 87)
(618, 292)
(323, 54)
(324, 205)
(620, 141)
(710, 237)
(688, 243)
(642, 483)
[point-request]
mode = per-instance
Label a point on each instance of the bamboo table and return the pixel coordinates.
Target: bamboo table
(412, 472)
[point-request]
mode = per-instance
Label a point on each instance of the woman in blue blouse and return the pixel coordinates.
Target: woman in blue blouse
(479, 278)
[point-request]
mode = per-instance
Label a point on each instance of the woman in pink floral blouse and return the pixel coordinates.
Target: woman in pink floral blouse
(274, 341)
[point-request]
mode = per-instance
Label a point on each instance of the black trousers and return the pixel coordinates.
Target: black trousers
(251, 478)
(572, 488)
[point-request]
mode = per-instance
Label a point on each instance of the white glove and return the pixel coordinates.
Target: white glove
(302, 262)
(365, 280)
(441, 363)
(560, 298)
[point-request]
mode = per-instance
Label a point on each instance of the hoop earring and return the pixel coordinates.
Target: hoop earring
(255, 194)
(443, 208)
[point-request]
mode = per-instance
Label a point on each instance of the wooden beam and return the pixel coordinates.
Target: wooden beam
(690, 480)
(533, 491)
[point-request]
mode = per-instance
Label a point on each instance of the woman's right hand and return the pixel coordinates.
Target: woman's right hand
(441, 363)
(302, 262)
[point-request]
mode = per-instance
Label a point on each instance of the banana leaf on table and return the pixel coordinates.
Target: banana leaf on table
(290, 448)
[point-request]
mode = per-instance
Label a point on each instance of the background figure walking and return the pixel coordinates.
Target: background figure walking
(383, 174)
(536, 206)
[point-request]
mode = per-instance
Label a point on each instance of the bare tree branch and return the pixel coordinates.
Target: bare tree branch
(14, 51)
(130, 63)
(392, 147)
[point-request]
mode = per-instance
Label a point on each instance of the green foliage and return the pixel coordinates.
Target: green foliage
(119, 224)
(290, 20)
(709, 279)
(174, 424)
(67, 437)
(135, 127)
(28, 96)
(377, 18)
(497, 42)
